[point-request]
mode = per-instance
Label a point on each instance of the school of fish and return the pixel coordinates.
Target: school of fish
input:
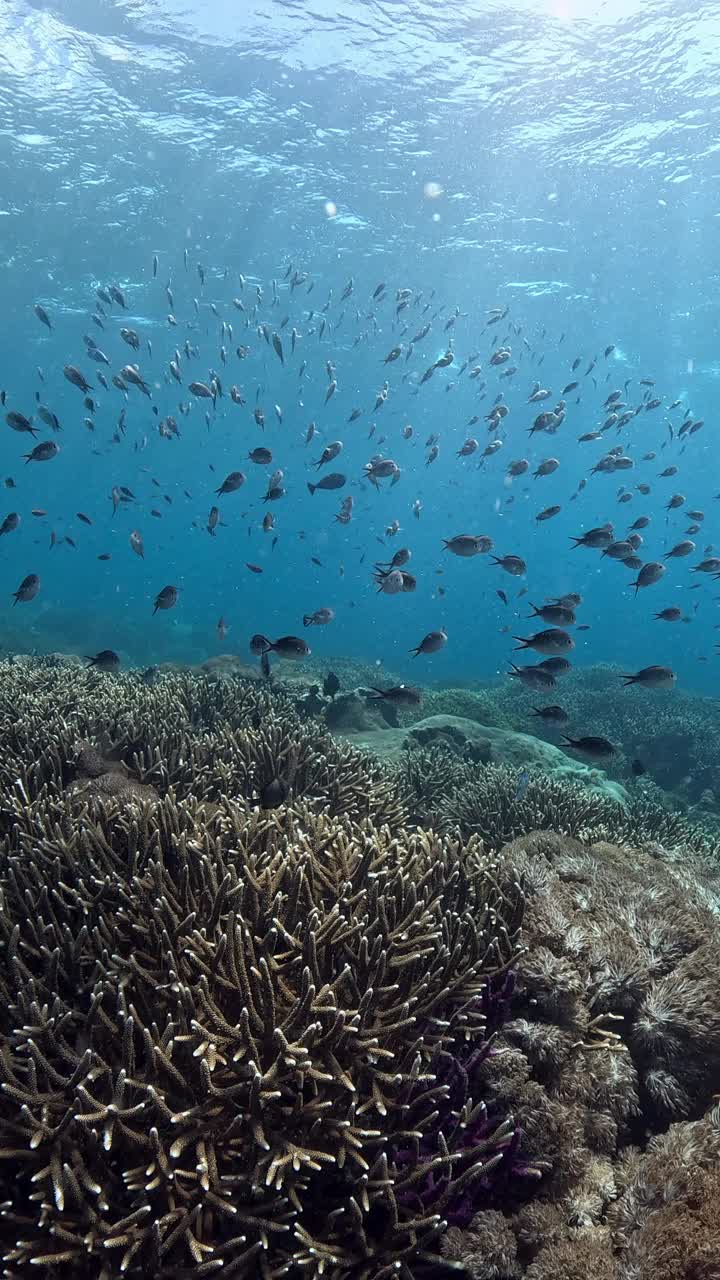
(212, 364)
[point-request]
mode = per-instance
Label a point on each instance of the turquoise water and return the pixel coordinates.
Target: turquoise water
(555, 159)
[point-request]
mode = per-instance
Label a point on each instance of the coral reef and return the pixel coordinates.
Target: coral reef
(450, 789)
(232, 1038)
(186, 733)
(665, 1221)
(675, 735)
(484, 743)
(480, 704)
(613, 1035)
(272, 1006)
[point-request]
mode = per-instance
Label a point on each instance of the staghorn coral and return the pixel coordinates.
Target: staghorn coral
(192, 735)
(497, 803)
(198, 997)
(492, 803)
(425, 777)
(232, 1039)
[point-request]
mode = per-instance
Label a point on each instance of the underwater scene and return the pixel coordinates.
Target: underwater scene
(359, 573)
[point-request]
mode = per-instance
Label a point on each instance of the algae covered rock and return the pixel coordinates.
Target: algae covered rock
(351, 713)
(493, 745)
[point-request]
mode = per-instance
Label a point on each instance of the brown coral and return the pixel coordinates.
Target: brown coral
(613, 1033)
(495, 802)
(223, 1029)
(666, 1224)
(192, 735)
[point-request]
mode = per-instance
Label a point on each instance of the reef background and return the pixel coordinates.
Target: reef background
(253, 1015)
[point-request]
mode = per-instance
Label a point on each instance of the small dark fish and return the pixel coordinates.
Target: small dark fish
(292, 647)
(333, 480)
(594, 748)
(513, 565)
(28, 589)
(638, 768)
(653, 678)
(431, 643)
(18, 422)
(77, 378)
(553, 713)
(105, 556)
(320, 618)
(42, 316)
(43, 452)
(254, 568)
(274, 793)
(201, 390)
(401, 695)
(166, 599)
(81, 516)
(534, 677)
(10, 523)
(105, 660)
(136, 542)
(233, 481)
(649, 573)
(331, 685)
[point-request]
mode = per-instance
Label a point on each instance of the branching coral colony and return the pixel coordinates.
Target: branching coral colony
(233, 1038)
(442, 789)
(255, 1022)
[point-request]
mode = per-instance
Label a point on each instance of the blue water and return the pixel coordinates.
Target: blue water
(556, 158)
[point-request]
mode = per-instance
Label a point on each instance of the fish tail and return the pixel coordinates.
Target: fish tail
(311, 487)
